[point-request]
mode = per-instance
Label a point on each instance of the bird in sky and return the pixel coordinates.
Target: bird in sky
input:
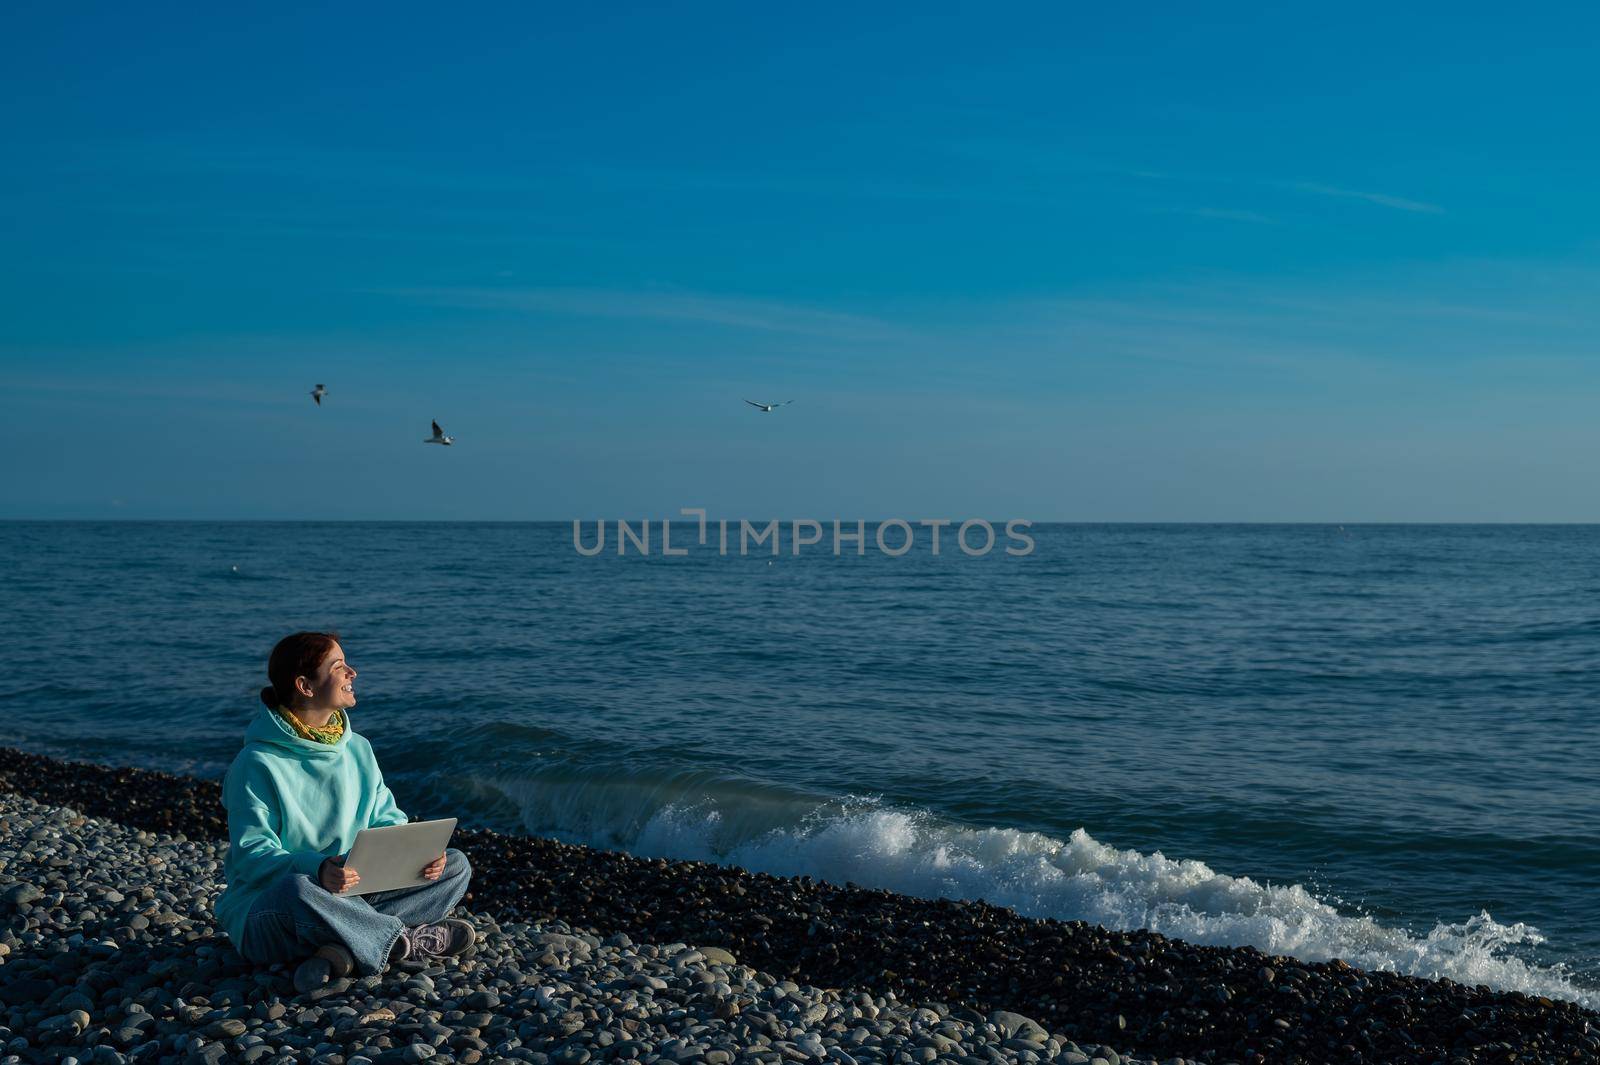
(768, 408)
(438, 437)
(317, 394)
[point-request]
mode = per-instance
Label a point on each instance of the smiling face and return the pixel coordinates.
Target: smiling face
(333, 688)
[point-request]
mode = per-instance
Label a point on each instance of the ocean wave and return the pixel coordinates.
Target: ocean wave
(862, 840)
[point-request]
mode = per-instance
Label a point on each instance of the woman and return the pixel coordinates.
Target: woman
(297, 794)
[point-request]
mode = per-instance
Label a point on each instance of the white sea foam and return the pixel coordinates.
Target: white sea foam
(912, 852)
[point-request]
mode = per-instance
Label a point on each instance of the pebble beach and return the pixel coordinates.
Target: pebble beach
(108, 953)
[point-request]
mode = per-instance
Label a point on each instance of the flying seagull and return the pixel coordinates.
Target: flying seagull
(438, 437)
(768, 408)
(317, 394)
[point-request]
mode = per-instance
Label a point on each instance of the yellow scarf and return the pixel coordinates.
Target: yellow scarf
(329, 733)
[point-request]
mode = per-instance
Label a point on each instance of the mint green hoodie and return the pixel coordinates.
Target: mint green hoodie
(292, 802)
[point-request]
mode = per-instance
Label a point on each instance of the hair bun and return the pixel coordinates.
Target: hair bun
(269, 696)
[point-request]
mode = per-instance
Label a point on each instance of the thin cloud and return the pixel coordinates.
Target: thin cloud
(1315, 188)
(988, 149)
(730, 311)
(1221, 214)
(1381, 199)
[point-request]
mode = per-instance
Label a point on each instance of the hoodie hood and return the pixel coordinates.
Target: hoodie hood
(270, 730)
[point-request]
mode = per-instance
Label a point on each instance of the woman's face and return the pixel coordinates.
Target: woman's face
(333, 688)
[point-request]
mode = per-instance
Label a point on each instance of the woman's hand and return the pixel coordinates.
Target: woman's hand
(434, 869)
(336, 877)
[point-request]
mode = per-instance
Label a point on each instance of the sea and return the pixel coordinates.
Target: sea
(1371, 742)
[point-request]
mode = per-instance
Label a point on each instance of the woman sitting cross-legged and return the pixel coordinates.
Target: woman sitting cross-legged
(297, 794)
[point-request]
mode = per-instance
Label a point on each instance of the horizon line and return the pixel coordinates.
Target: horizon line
(999, 522)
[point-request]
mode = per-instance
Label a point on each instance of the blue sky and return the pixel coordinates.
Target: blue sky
(1029, 261)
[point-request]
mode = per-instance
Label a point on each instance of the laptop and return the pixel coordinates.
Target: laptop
(395, 855)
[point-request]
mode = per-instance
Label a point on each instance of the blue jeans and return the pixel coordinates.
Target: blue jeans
(296, 915)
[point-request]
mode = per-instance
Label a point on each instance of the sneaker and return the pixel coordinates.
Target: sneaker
(443, 940)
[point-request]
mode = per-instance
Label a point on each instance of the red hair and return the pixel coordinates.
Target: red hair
(297, 655)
